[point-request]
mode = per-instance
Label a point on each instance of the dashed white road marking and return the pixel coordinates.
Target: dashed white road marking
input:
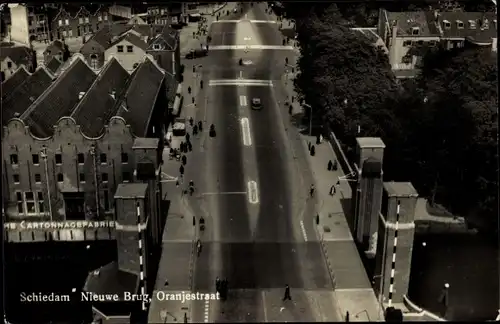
(303, 229)
(207, 310)
(245, 131)
(252, 47)
(253, 192)
(241, 82)
(243, 101)
(241, 75)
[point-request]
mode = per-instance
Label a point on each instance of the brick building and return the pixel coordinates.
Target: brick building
(68, 141)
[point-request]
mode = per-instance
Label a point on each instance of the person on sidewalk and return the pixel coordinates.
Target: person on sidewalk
(187, 137)
(217, 285)
(189, 147)
(333, 190)
(330, 165)
(195, 130)
(181, 170)
(287, 293)
(184, 160)
(200, 126)
(311, 191)
(320, 138)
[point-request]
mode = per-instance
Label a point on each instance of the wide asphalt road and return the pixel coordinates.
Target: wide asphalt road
(259, 248)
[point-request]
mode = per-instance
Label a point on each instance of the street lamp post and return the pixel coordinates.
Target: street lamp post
(310, 117)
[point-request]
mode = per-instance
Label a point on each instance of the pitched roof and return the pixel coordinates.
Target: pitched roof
(97, 106)
(19, 55)
(111, 280)
(171, 84)
(106, 34)
(405, 21)
(131, 38)
(60, 99)
(476, 31)
(15, 80)
(53, 64)
(167, 39)
(140, 97)
(55, 46)
(24, 95)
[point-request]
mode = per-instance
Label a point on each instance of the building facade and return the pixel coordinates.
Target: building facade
(69, 171)
(29, 23)
(12, 58)
(407, 35)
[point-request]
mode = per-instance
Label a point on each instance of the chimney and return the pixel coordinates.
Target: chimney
(80, 95)
(436, 15)
(112, 94)
(17, 115)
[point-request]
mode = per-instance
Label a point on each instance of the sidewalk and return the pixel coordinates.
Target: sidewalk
(353, 290)
(188, 42)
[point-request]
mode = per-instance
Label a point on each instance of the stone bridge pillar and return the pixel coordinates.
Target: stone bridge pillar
(370, 154)
(396, 230)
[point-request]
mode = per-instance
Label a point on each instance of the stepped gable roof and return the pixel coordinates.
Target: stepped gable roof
(26, 94)
(15, 80)
(97, 106)
(140, 99)
(60, 99)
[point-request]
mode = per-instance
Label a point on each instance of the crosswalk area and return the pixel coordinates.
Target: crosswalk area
(250, 47)
(241, 82)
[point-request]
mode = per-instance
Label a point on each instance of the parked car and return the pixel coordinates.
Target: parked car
(196, 53)
(256, 104)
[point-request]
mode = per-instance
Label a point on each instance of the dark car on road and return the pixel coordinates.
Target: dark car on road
(196, 54)
(256, 104)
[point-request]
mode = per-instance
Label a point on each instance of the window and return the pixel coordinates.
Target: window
(119, 48)
(106, 200)
(104, 177)
(420, 43)
(156, 47)
(13, 159)
(447, 24)
(60, 177)
(35, 158)
(41, 207)
(130, 49)
(38, 178)
(29, 199)
(415, 31)
(460, 24)
(124, 158)
(82, 177)
(406, 59)
(87, 20)
(60, 22)
(19, 197)
(80, 20)
(99, 18)
(65, 33)
(67, 22)
(432, 43)
(126, 176)
(9, 65)
(407, 43)
(70, 33)
(58, 158)
(472, 24)
(103, 158)
(16, 178)
(81, 158)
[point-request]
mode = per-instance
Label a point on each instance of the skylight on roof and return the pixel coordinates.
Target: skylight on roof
(472, 24)
(446, 24)
(460, 24)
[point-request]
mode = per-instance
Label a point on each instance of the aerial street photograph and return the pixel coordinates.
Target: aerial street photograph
(250, 162)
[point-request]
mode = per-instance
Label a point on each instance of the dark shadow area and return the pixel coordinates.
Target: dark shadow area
(52, 267)
(288, 31)
(468, 263)
(270, 272)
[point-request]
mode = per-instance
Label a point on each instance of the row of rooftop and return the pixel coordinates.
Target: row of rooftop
(40, 99)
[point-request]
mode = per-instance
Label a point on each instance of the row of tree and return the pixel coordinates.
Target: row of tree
(440, 129)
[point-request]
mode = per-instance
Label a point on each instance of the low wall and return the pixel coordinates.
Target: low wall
(415, 310)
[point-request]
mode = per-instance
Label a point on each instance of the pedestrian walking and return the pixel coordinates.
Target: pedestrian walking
(317, 139)
(195, 130)
(309, 146)
(287, 293)
(290, 109)
(181, 170)
(189, 146)
(330, 165)
(184, 160)
(189, 88)
(313, 150)
(311, 190)
(333, 190)
(181, 147)
(187, 137)
(347, 316)
(320, 138)
(335, 165)
(200, 126)
(217, 285)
